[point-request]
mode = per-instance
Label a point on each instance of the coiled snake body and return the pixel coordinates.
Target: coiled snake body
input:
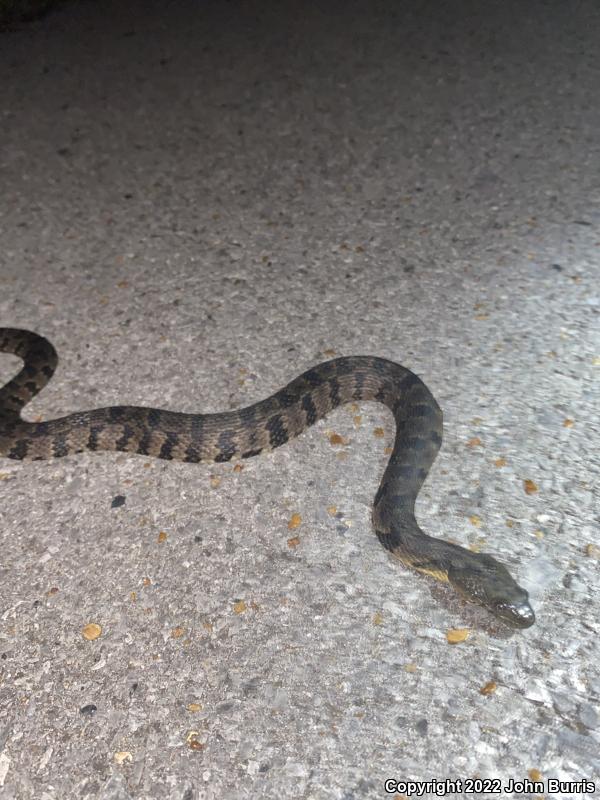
(266, 425)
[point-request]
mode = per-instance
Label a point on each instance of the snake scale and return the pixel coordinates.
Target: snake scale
(268, 424)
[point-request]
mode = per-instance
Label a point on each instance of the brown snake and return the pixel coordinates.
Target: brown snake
(263, 426)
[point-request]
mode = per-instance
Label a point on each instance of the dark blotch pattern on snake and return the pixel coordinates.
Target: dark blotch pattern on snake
(264, 426)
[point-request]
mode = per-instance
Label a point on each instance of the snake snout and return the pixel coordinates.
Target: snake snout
(518, 614)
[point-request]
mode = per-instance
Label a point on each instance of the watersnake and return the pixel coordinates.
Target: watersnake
(268, 424)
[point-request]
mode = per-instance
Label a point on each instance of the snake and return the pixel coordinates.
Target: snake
(220, 437)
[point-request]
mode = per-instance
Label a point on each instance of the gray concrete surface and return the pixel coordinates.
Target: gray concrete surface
(199, 200)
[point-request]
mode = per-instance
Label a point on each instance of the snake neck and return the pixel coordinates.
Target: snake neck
(417, 443)
(405, 540)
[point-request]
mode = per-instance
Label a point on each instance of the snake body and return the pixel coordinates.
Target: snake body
(264, 426)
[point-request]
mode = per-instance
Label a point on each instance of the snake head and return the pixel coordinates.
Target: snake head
(481, 579)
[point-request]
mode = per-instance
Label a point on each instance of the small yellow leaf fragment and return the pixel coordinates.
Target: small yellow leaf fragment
(379, 432)
(510, 523)
(91, 631)
(208, 626)
(475, 441)
(294, 541)
(378, 618)
(500, 462)
(336, 439)
(162, 536)
(457, 635)
(238, 468)
(535, 774)
(294, 521)
(530, 487)
(123, 284)
(596, 361)
(4, 476)
(133, 596)
(332, 510)
(476, 420)
(410, 667)
(239, 607)
(193, 708)
(538, 534)
(177, 632)
(475, 520)
(357, 420)
(122, 756)
(481, 316)
(215, 481)
(489, 688)
(193, 742)
(329, 352)
(592, 551)
(568, 423)
(388, 450)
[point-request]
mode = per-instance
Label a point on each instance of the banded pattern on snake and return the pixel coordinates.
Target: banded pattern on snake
(268, 424)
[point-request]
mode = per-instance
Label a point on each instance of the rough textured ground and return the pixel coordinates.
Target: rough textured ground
(197, 202)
